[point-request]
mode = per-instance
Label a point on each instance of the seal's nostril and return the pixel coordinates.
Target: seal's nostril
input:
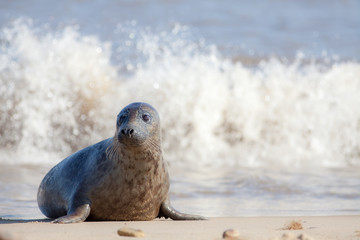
(127, 131)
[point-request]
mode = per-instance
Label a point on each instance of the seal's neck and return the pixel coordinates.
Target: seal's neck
(144, 154)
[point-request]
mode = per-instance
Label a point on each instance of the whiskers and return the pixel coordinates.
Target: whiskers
(150, 147)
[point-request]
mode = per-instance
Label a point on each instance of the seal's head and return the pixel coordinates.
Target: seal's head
(138, 124)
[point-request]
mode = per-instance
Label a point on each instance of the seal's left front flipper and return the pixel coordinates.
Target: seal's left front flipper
(167, 211)
(78, 215)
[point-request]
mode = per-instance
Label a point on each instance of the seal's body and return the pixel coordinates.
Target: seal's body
(120, 178)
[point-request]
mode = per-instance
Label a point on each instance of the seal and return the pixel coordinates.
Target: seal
(123, 178)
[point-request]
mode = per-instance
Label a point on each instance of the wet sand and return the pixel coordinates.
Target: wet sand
(317, 228)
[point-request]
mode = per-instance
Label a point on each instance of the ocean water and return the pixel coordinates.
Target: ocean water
(259, 101)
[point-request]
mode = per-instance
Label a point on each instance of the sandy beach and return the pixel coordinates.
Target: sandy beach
(317, 228)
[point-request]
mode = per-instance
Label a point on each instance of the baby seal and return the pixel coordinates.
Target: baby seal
(120, 178)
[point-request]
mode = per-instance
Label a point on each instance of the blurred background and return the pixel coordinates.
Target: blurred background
(259, 101)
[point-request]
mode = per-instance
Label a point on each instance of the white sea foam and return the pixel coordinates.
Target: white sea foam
(60, 91)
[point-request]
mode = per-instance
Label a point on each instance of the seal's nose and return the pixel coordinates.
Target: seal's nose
(131, 135)
(127, 132)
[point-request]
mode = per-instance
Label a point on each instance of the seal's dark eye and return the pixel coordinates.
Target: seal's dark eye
(121, 119)
(146, 117)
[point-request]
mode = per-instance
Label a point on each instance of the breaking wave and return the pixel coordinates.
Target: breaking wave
(61, 91)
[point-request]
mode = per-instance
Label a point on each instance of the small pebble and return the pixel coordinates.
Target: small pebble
(293, 225)
(231, 234)
(130, 232)
(304, 237)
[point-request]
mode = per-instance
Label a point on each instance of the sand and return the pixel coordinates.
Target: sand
(316, 228)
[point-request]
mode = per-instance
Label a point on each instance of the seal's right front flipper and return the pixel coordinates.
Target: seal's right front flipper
(167, 211)
(78, 215)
